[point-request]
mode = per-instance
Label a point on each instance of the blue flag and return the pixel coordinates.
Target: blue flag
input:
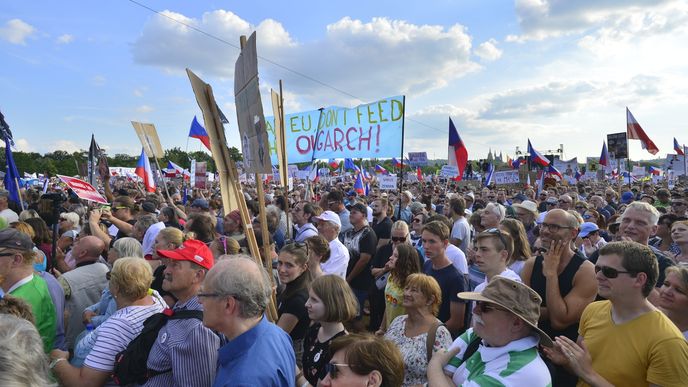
(11, 175)
(489, 175)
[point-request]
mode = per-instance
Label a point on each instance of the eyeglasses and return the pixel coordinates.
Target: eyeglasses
(540, 250)
(610, 272)
(398, 239)
(302, 245)
(332, 370)
(581, 207)
(564, 201)
(486, 307)
(552, 227)
(498, 233)
(586, 217)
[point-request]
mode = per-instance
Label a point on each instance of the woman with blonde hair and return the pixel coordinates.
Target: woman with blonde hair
(330, 304)
(130, 280)
(319, 252)
(413, 331)
(22, 360)
(673, 296)
(679, 234)
(522, 251)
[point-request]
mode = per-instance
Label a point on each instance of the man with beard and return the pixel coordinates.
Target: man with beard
(382, 224)
(564, 280)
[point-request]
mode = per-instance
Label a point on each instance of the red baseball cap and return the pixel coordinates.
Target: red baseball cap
(193, 251)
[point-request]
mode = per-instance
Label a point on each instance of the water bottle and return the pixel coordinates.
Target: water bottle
(84, 343)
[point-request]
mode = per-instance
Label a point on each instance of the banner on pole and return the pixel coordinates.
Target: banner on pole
(418, 159)
(371, 130)
(200, 173)
(83, 190)
(449, 171)
(387, 182)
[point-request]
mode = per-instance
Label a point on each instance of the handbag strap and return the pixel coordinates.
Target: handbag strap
(432, 334)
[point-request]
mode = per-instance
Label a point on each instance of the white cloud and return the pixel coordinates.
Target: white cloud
(139, 91)
(64, 145)
(144, 109)
(542, 19)
(488, 51)
(98, 80)
(23, 145)
(367, 59)
(65, 39)
(16, 31)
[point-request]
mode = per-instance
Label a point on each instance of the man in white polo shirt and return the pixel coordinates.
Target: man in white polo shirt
(329, 226)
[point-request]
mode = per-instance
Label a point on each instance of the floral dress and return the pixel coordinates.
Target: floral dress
(414, 349)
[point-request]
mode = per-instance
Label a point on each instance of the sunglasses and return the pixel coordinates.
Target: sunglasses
(332, 370)
(302, 245)
(107, 275)
(398, 239)
(486, 307)
(586, 217)
(540, 250)
(552, 227)
(610, 272)
(498, 233)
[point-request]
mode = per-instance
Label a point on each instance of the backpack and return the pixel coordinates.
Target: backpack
(131, 363)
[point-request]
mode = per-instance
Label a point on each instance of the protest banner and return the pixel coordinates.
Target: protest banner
(566, 167)
(617, 145)
(449, 171)
(371, 130)
(638, 171)
(387, 182)
(149, 139)
(200, 174)
(418, 159)
(675, 163)
(506, 177)
(292, 169)
(250, 119)
(83, 190)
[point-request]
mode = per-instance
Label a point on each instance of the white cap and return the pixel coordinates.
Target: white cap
(329, 216)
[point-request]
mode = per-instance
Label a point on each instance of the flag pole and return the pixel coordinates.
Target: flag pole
(150, 146)
(401, 169)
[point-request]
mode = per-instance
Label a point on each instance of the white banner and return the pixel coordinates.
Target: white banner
(505, 177)
(418, 159)
(566, 167)
(387, 182)
(638, 171)
(449, 171)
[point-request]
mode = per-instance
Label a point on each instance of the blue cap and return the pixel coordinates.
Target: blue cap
(626, 197)
(587, 228)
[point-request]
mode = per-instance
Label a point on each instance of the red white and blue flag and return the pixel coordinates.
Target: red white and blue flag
(490, 174)
(635, 132)
(334, 164)
(174, 170)
(604, 157)
(144, 171)
(349, 165)
(358, 185)
(380, 169)
(199, 132)
(515, 164)
(578, 175)
(655, 171)
(677, 148)
(419, 174)
(365, 173)
(555, 172)
(458, 154)
(396, 163)
(537, 157)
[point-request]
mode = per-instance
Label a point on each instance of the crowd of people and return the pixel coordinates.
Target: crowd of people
(439, 284)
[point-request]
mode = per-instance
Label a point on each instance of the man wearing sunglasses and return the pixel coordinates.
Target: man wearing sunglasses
(638, 224)
(501, 347)
(625, 340)
(678, 206)
(382, 224)
(564, 280)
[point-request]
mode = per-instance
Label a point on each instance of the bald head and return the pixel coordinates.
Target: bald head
(88, 249)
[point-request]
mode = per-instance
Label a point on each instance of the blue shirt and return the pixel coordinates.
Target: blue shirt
(261, 356)
(187, 348)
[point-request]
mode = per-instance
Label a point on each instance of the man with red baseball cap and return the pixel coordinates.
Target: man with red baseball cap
(185, 352)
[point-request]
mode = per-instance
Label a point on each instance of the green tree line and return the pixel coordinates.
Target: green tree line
(65, 163)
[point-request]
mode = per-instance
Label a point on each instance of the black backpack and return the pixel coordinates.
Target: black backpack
(131, 364)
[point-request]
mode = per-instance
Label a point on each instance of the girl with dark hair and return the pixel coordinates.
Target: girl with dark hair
(292, 269)
(402, 263)
(169, 216)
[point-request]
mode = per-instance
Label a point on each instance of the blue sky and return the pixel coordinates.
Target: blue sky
(554, 71)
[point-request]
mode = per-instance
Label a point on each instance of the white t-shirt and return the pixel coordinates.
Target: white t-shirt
(9, 215)
(508, 273)
(149, 237)
(338, 261)
(462, 231)
(458, 258)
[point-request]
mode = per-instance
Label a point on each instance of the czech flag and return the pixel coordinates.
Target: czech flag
(677, 148)
(553, 171)
(144, 171)
(358, 185)
(396, 163)
(635, 132)
(197, 131)
(515, 164)
(380, 169)
(349, 164)
(458, 154)
(577, 175)
(536, 156)
(655, 171)
(604, 157)
(334, 164)
(177, 170)
(365, 173)
(490, 173)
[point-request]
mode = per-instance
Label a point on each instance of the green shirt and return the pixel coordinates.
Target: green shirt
(36, 293)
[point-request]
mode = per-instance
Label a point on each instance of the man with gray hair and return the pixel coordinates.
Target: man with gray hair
(328, 226)
(235, 295)
(5, 212)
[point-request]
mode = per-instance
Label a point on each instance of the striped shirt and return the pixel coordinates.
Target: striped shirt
(187, 348)
(118, 331)
(515, 364)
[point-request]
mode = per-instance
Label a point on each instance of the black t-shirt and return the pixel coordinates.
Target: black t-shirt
(296, 305)
(316, 354)
(363, 241)
(451, 282)
(383, 230)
